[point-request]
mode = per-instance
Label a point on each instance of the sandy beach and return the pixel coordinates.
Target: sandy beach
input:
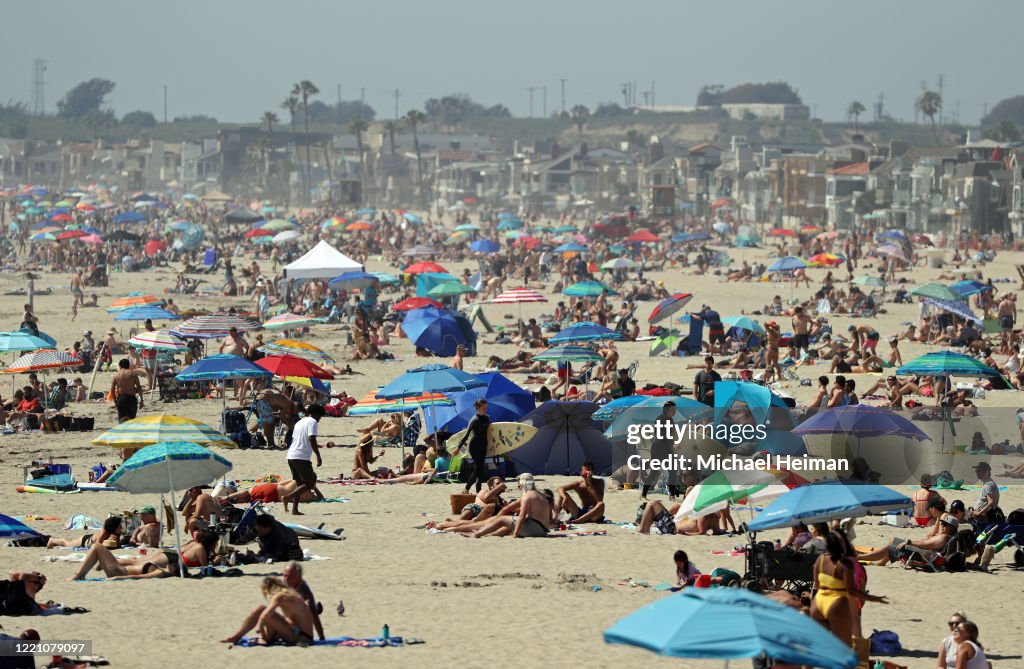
(475, 603)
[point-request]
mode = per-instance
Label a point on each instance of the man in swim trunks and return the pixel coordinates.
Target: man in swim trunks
(269, 493)
(864, 336)
(534, 517)
(946, 528)
(1007, 315)
(126, 391)
(591, 493)
(663, 519)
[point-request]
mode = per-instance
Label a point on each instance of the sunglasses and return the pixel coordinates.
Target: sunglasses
(953, 623)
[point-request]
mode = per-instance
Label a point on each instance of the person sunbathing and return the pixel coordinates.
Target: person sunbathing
(945, 528)
(535, 516)
(389, 427)
(200, 506)
(487, 504)
(659, 516)
(364, 458)
(110, 532)
(269, 493)
(286, 617)
(590, 491)
(196, 553)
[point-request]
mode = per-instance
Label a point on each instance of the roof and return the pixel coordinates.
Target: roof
(853, 169)
(705, 147)
(907, 160)
(323, 261)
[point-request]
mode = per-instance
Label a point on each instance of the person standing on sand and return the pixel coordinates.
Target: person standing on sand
(77, 294)
(476, 433)
(126, 391)
(303, 448)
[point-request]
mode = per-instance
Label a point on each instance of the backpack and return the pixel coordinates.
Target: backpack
(885, 642)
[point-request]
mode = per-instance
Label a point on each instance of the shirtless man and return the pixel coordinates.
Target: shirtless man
(268, 493)
(488, 503)
(197, 511)
(126, 391)
(234, 344)
(282, 411)
(286, 617)
(534, 519)
(148, 533)
(591, 493)
(1007, 316)
(801, 330)
(663, 518)
(77, 294)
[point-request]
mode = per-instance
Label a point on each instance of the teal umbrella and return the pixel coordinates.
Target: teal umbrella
(743, 323)
(948, 363)
(568, 354)
(450, 288)
(869, 281)
(588, 289)
(467, 227)
(936, 291)
(166, 467)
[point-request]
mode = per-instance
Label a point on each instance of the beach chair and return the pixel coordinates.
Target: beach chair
(953, 556)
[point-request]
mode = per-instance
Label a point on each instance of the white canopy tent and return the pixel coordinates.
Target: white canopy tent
(323, 261)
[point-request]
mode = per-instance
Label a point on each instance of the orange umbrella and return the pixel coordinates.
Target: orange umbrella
(358, 226)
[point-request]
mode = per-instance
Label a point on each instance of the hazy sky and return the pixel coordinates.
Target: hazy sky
(235, 59)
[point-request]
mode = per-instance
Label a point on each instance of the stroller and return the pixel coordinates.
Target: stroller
(766, 566)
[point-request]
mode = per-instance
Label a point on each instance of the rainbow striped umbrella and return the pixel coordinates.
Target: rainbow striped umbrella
(158, 340)
(299, 349)
(135, 300)
(369, 404)
(213, 326)
(40, 360)
(158, 428)
(290, 321)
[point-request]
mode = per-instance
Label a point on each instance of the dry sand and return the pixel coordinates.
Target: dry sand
(489, 602)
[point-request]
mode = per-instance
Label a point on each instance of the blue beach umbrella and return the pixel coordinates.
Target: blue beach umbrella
(429, 379)
(506, 402)
(947, 363)
(822, 501)
(484, 246)
(969, 287)
(568, 354)
(437, 330)
(146, 312)
(220, 367)
(743, 323)
(22, 341)
(730, 623)
(129, 217)
(351, 280)
(166, 467)
(13, 529)
(415, 219)
(614, 409)
(570, 247)
(788, 264)
(861, 421)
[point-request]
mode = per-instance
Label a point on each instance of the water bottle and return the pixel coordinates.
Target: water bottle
(1001, 544)
(878, 665)
(385, 632)
(983, 537)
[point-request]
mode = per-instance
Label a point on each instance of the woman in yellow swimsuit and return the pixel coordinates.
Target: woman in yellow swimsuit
(835, 602)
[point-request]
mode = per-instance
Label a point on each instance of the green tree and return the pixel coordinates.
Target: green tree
(357, 126)
(415, 118)
(580, 114)
(269, 118)
(291, 105)
(139, 119)
(635, 138)
(1004, 131)
(85, 98)
(14, 120)
(854, 111)
(929, 103)
(392, 127)
(100, 122)
(1010, 109)
(306, 89)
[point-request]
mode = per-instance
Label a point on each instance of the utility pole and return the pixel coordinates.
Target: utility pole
(939, 83)
(625, 94)
(38, 87)
(647, 98)
(165, 104)
(531, 89)
(652, 94)
(396, 103)
(563, 95)
(544, 104)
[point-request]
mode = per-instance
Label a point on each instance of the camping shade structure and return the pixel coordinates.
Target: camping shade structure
(292, 365)
(145, 313)
(588, 289)
(13, 529)
(149, 430)
(567, 437)
(936, 291)
(134, 300)
(585, 331)
(290, 321)
(439, 331)
(158, 340)
(506, 402)
(323, 261)
(425, 267)
(166, 467)
(410, 303)
(669, 307)
(242, 215)
(957, 308)
(788, 264)
(370, 405)
(969, 287)
(299, 349)
(215, 326)
(822, 501)
(730, 623)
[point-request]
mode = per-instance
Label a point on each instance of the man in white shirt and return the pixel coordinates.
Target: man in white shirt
(300, 455)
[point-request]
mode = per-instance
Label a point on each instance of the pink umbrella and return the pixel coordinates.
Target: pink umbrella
(91, 239)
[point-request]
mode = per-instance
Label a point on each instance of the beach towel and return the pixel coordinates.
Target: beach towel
(82, 522)
(338, 642)
(330, 499)
(349, 481)
(562, 535)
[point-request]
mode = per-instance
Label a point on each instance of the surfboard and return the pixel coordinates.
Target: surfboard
(47, 491)
(314, 532)
(502, 438)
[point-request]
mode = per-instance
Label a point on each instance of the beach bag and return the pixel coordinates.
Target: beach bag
(885, 642)
(730, 579)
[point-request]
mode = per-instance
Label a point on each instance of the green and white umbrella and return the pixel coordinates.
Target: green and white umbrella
(290, 321)
(722, 488)
(619, 263)
(450, 288)
(166, 467)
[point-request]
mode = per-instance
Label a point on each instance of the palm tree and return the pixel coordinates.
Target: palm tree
(291, 103)
(929, 104)
(854, 111)
(415, 118)
(579, 115)
(306, 89)
(357, 126)
(270, 118)
(392, 127)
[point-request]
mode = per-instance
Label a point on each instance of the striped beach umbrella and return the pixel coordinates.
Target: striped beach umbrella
(947, 363)
(291, 365)
(568, 354)
(299, 349)
(41, 360)
(290, 321)
(157, 428)
(369, 404)
(584, 331)
(670, 306)
(151, 312)
(722, 488)
(214, 326)
(158, 340)
(135, 300)
(519, 296)
(13, 529)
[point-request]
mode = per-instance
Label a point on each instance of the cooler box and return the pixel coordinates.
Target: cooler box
(459, 500)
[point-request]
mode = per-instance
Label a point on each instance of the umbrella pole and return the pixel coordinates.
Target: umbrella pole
(177, 523)
(95, 367)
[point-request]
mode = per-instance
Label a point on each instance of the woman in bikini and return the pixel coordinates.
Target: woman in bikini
(196, 553)
(835, 601)
(111, 532)
(286, 617)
